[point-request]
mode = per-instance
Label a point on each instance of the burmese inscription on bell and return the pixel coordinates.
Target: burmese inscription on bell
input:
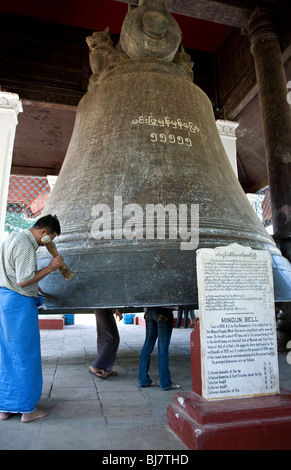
(237, 322)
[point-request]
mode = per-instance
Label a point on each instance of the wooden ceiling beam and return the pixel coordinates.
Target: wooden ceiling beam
(227, 12)
(32, 171)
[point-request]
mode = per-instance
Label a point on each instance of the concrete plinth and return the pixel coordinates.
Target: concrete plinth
(254, 423)
(260, 423)
(51, 322)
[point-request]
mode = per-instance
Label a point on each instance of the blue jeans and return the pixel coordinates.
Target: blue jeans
(179, 318)
(162, 331)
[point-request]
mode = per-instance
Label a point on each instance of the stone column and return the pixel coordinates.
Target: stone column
(226, 131)
(276, 118)
(10, 106)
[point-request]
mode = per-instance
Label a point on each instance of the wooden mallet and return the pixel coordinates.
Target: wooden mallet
(51, 247)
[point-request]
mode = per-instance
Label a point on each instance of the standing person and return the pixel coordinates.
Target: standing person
(179, 317)
(186, 309)
(107, 343)
(159, 325)
(192, 318)
(20, 364)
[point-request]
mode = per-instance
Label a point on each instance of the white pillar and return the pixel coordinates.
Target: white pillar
(226, 131)
(52, 181)
(10, 106)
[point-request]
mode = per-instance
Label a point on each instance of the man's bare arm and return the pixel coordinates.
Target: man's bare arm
(39, 275)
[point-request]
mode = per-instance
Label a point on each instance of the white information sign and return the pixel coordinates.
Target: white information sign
(237, 322)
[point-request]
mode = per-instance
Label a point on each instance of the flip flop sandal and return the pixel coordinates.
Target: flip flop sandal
(173, 387)
(103, 374)
(153, 384)
(91, 371)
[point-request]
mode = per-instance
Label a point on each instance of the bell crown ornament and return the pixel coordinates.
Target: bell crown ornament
(150, 31)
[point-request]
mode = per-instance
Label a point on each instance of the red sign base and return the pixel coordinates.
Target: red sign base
(253, 423)
(260, 423)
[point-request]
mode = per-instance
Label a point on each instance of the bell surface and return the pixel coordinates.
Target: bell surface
(145, 182)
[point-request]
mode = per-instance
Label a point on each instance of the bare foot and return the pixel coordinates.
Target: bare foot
(36, 414)
(94, 371)
(152, 384)
(4, 416)
(103, 374)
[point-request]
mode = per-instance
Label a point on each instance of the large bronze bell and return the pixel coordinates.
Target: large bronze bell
(145, 135)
